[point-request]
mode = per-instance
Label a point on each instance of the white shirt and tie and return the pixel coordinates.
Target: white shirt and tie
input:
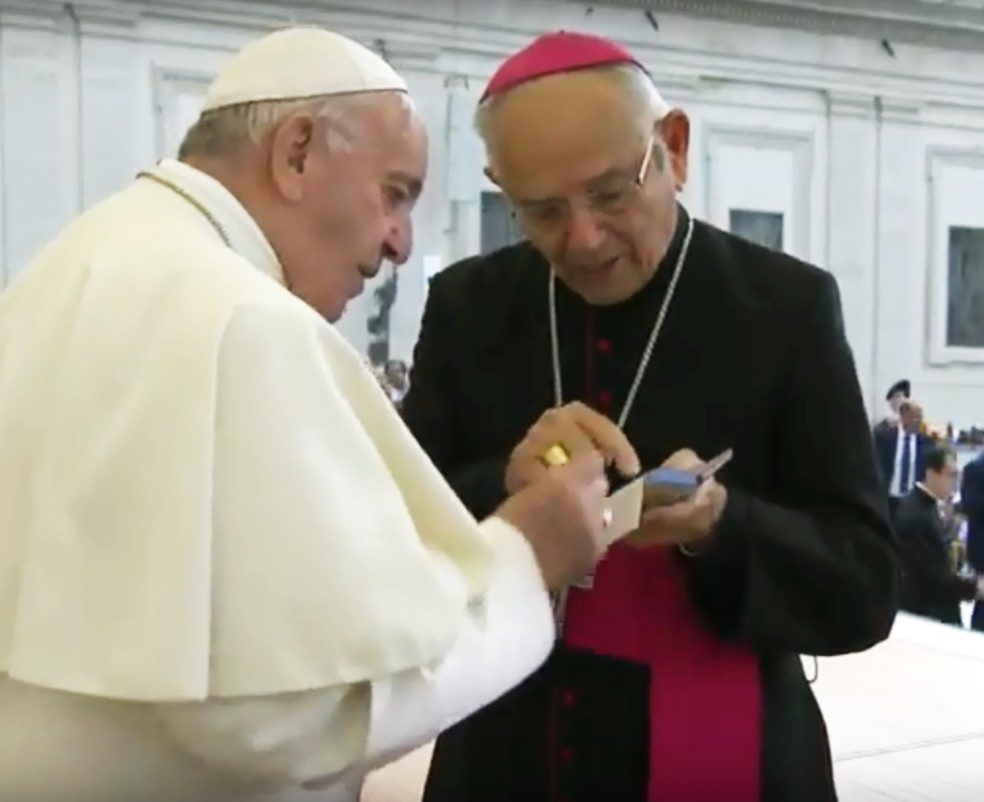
(904, 465)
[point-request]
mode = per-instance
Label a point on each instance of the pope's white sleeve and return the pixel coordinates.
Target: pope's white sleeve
(316, 737)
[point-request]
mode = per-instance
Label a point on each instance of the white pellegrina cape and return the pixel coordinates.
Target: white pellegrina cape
(227, 572)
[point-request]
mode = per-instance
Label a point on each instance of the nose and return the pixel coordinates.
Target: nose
(584, 234)
(398, 239)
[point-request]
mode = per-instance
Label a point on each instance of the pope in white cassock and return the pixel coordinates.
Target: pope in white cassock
(227, 572)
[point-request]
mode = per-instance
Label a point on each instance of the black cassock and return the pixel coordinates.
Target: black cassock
(752, 356)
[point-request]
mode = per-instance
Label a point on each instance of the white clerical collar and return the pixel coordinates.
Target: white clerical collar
(929, 492)
(245, 236)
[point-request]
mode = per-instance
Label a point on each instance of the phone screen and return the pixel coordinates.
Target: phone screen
(671, 476)
(669, 485)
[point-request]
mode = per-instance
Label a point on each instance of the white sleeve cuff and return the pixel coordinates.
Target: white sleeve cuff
(317, 738)
(510, 634)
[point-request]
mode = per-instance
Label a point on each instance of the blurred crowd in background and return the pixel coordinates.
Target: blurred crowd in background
(394, 377)
(934, 480)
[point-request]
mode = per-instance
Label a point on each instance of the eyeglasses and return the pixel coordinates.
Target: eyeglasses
(604, 201)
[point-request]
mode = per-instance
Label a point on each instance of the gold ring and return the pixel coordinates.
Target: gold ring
(555, 456)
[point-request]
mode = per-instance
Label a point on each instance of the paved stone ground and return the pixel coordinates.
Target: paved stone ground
(906, 721)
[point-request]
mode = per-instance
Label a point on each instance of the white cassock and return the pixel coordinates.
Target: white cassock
(227, 572)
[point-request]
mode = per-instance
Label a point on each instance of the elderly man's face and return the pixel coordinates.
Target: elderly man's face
(568, 152)
(911, 416)
(349, 199)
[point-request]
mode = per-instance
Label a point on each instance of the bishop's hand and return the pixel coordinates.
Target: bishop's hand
(562, 516)
(687, 523)
(577, 430)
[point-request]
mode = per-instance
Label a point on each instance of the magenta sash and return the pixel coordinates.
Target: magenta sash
(705, 700)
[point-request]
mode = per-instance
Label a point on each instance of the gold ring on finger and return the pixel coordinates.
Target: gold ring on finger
(555, 456)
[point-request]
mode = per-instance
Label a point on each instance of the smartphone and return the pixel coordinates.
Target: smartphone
(665, 486)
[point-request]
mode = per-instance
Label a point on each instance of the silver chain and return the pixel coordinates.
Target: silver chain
(560, 598)
(647, 354)
(191, 199)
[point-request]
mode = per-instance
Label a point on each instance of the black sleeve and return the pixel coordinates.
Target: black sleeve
(431, 414)
(814, 569)
(972, 490)
(922, 568)
(881, 443)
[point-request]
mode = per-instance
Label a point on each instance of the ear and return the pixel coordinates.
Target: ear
(675, 128)
(290, 148)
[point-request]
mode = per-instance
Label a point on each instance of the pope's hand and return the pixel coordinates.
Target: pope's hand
(562, 515)
(576, 429)
(687, 523)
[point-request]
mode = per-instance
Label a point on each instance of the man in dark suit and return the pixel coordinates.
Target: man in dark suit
(677, 677)
(901, 452)
(931, 586)
(972, 505)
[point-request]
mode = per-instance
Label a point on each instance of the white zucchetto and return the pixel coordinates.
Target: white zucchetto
(297, 63)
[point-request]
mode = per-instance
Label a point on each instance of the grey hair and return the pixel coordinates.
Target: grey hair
(638, 86)
(222, 131)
